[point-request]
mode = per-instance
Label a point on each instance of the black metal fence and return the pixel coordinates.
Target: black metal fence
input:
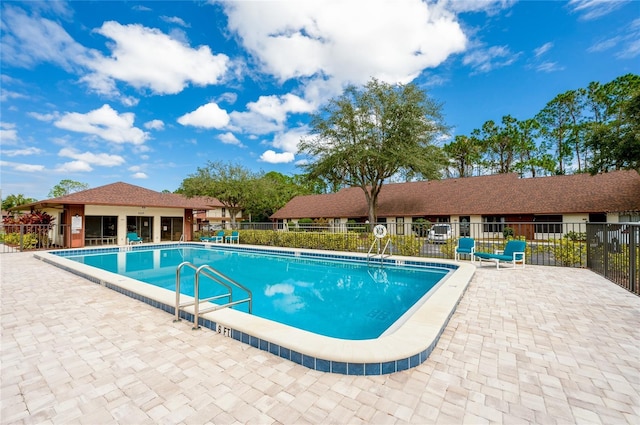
(614, 252)
(31, 237)
(550, 244)
(609, 249)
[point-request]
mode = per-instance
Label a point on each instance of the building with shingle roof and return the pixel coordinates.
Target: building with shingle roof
(501, 198)
(106, 214)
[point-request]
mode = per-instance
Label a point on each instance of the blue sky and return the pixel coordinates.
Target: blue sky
(147, 92)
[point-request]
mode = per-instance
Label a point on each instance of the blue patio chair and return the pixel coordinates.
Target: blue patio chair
(219, 237)
(133, 238)
(466, 246)
(234, 237)
(514, 252)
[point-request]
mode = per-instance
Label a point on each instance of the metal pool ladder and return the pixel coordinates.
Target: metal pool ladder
(380, 252)
(218, 278)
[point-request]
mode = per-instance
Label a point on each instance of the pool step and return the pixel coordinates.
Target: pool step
(218, 278)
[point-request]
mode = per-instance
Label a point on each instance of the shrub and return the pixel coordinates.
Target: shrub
(421, 227)
(29, 240)
(406, 245)
(568, 252)
(449, 248)
(576, 236)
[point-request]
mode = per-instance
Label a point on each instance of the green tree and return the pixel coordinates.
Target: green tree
(533, 159)
(463, 154)
(66, 187)
(613, 134)
(368, 135)
(558, 127)
(16, 200)
(501, 144)
(232, 184)
(309, 184)
(272, 191)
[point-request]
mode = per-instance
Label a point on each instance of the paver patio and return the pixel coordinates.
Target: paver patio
(540, 345)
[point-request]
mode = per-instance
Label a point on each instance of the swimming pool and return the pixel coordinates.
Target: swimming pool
(404, 346)
(341, 299)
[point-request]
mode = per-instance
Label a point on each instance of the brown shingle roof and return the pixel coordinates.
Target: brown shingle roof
(124, 194)
(485, 195)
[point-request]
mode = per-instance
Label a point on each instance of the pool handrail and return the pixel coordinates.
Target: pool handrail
(380, 253)
(217, 277)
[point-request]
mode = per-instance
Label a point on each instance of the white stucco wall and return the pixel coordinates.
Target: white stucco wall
(123, 212)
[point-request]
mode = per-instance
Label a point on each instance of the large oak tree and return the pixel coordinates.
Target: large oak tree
(371, 134)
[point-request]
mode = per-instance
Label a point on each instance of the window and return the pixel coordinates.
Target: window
(629, 218)
(493, 223)
(62, 220)
(465, 226)
(98, 228)
(548, 224)
(224, 212)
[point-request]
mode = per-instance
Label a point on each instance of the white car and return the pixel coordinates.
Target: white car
(440, 233)
(617, 235)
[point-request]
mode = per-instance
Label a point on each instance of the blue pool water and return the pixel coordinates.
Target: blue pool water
(340, 299)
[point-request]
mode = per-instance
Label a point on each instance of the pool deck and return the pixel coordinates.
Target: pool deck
(539, 345)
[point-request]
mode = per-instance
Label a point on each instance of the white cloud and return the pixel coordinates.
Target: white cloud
(74, 167)
(22, 152)
(549, 67)
(175, 20)
(27, 41)
(252, 122)
(140, 176)
(286, 142)
(594, 9)
(607, 44)
(8, 133)
(146, 58)
(206, 116)
(101, 159)
(276, 158)
(289, 140)
(485, 60)
(543, 49)
(6, 95)
(43, 117)
(626, 42)
(276, 108)
(105, 123)
(154, 125)
(348, 41)
(228, 97)
(29, 168)
(631, 50)
(230, 139)
(269, 113)
(489, 7)
(129, 101)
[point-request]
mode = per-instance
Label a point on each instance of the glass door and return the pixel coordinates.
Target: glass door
(170, 228)
(143, 226)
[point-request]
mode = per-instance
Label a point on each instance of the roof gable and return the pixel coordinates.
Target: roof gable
(125, 194)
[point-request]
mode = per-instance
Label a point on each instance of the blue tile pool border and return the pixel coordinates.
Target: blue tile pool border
(325, 255)
(315, 363)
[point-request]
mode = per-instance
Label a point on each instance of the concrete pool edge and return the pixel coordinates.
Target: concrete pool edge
(407, 347)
